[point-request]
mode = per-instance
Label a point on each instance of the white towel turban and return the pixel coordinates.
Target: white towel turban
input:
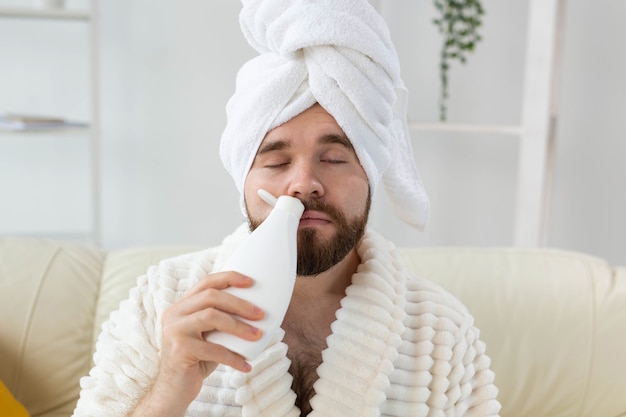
(339, 54)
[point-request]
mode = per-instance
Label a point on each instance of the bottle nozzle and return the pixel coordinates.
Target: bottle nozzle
(267, 197)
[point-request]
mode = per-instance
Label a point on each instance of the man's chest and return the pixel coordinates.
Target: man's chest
(305, 354)
(305, 340)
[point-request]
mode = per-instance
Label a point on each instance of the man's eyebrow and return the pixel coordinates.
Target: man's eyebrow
(339, 139)
(280, 145)
(277, 145)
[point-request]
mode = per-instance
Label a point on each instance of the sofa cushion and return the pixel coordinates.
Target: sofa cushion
(554, 323)
(120, 272)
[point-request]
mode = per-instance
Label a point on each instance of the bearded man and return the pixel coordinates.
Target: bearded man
(319, 115)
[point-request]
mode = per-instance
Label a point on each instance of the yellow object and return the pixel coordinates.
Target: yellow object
(9, 406)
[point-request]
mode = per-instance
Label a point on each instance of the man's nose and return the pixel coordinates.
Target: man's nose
(305, 182)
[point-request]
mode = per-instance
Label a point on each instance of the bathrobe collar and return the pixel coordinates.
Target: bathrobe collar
(356, 365)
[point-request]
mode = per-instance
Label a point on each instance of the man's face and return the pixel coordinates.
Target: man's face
(310, 158)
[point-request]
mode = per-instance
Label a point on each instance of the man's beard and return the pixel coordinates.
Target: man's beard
(316, 256)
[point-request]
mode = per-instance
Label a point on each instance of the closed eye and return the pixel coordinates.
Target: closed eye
(276, 165)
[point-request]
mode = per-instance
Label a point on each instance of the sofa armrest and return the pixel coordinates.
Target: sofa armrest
(48, 293)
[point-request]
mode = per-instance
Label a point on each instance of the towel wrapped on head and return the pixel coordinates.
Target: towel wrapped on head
(339, 54)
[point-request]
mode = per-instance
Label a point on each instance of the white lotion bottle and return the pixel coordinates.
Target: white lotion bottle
(268, 256)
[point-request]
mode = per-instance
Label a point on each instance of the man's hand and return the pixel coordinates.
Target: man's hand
(186, 357)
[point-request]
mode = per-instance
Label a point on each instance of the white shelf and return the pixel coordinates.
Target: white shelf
(466, 128)
(10, 138)
(35, 13)
(66, 131)
(77, 235)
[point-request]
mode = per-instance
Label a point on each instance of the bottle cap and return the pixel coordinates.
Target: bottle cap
(290, 204)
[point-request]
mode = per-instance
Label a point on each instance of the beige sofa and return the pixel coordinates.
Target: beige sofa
(554, 321)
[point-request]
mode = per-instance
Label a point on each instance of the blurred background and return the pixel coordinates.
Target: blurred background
(156, 76)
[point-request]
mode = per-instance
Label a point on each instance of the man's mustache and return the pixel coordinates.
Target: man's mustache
(322, 206)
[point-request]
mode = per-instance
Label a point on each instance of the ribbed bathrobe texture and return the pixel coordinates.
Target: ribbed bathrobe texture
(400, 346)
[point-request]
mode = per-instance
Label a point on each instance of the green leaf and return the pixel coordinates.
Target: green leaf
(458, 22)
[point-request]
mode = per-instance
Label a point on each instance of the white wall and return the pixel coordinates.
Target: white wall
(44, 179)
(169, 67)
(470, 177)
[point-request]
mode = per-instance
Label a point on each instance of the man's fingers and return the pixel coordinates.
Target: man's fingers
(220, 281)
(207, 293)
(212, 298)
(211, 319)
(213, 310)
(203, 309)
(210, 354)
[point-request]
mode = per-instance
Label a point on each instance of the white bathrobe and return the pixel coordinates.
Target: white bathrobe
(400, 346)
